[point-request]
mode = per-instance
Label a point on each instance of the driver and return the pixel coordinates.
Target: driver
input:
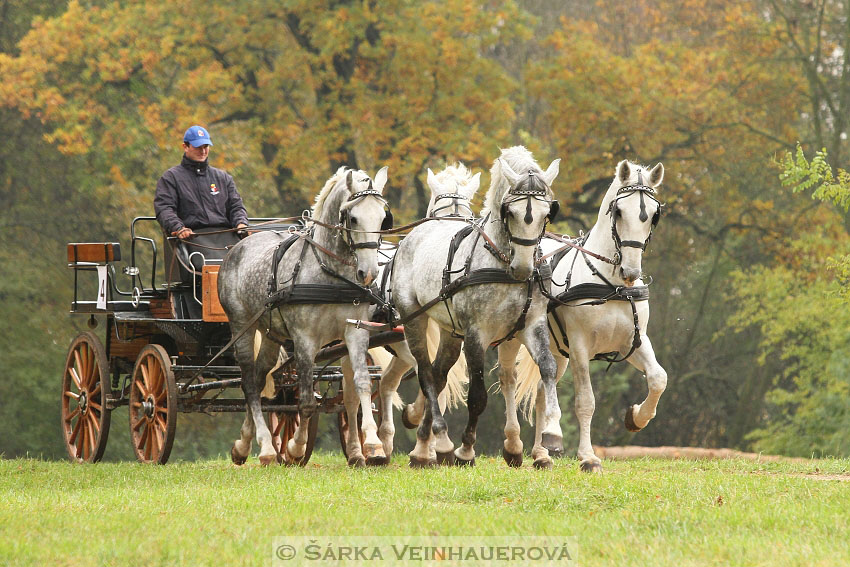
(196, 195)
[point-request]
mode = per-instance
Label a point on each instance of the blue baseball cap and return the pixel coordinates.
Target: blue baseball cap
(197, 136)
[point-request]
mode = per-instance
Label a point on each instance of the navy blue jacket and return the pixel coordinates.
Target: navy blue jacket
(197, 195)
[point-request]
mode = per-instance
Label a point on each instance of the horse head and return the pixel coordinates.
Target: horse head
(525, 206)
(634, 211)
(451, 191)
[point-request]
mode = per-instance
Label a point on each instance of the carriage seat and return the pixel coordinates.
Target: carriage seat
(184, 260)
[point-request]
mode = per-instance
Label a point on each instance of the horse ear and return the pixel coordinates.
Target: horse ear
(433, 184)
(349, 178)
(509, 173)
(552, 171)
(656, 176)
(624, 172)
(472, 187)
(380, 179)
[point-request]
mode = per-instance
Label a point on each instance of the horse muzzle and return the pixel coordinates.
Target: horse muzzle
(629, 275)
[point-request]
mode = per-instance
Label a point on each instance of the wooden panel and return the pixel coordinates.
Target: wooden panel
(213, 312)
(161, 308)
(100, 252)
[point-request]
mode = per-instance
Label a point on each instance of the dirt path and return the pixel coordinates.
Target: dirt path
(637, 452)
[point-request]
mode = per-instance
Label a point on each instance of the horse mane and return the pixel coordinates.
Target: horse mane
(323, 200)
(456, 175)
(521, 161)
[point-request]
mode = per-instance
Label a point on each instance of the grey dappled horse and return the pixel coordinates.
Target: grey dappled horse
(353, 204)
(517, 207)
(627, 215)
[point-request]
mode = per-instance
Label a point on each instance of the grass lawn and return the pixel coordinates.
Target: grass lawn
(642, 512)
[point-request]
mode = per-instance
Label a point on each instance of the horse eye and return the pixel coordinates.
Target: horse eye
(353, 221)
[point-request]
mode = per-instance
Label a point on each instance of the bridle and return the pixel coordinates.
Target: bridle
(528, 191)
(613, 210)
(455, 197)
(345, 219)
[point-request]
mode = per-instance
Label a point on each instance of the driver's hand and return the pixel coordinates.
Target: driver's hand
(183, 233)
(240, 230)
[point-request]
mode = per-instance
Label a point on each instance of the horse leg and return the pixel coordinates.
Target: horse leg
(411, 415)
(476, 399)
(512, 451)
(305, 352)
(352, 405)
(540, 406)
(536, 340)
(390, 380)
(242, 447)
(585, 404)
(638, 416)
(357, 342)
(446, 358)
(416, 342)
(253, 378)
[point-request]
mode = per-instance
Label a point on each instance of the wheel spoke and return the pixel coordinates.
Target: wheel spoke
(142, 438)
(161, 397)
(277, 427)
(94, 373)
(84, 441)
(71, 394)
(75, 376)
(75, 432)
(71, 416)
(92, 436)
(149, 443)
(95, 405)
(139, 422)
(155, 441)
(95, 391)
(95, 422)
(162, 410)
(145, 377)
(138, 383)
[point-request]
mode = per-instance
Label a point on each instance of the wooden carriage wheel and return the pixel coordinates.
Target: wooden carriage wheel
(85, 417)
(282, 426)
(153, 406)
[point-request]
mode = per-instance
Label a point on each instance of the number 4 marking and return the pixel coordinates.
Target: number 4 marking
(101, 287)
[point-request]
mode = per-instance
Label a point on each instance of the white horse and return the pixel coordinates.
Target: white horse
(491, 304)
(350, 211)
(595, 315)
(451, 193)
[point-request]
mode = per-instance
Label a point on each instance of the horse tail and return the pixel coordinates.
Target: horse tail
(381, 357)
(528, 376)
(268, 389)
(457, 378)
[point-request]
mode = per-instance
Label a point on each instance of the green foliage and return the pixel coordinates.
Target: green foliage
(799, 307)
(816, 177)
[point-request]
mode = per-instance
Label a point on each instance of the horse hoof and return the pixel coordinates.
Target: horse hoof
(446, 459)
(266, 460)
(357, 462)
(375, 454)
(553, 444)
(463, 462)
(417, 463)
(630, 420)
(513, 460)
(405, 419)
(543, 463)
(377, 461)
(236, 457)
(591, 467)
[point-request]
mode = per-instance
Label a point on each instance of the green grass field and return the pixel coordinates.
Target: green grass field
(642, 512)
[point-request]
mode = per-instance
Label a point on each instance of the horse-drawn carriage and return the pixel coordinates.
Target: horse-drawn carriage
(158, 342)
(286, 297)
